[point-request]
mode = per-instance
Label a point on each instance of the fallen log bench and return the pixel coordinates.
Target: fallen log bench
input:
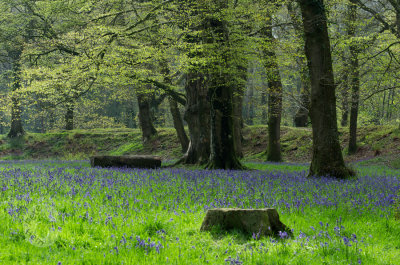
(136, 161)
(254, 222)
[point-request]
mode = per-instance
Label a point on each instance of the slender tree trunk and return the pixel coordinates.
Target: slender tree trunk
(388, 106)
(391, 104)
(355, 81)
(345, 106)
(51, 118)
(383, 105)
(69, 115)
(274, 99)
(146, 124)
(130, 115)
(264, 102)
(355, 95)
(238, 121)
(327, 156)
(249, 109)
(173, 106)
(16, 129)
(178, 124)
(301, 116)
(344, 84)
(238, 110)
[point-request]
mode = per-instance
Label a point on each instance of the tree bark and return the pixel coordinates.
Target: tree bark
(178, 124)
(16, 129)
(238, 110)
(146, 124)
(343, 84)
(238, 121)
(274, 98)
(197, 116)
(249, 106)
(301, 117)
(345, 106)
(223, 153)
(264, 102)
(69, 115)
(302, 114)
(355, 81)
(173, 106)
(327, 157)
(197, 109)
(221, 92)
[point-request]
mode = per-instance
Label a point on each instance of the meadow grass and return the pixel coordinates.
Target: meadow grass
(58, 212)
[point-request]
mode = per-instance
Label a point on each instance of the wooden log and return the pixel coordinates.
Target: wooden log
(137, 161)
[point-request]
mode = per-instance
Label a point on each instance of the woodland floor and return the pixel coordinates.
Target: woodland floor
(379, 143)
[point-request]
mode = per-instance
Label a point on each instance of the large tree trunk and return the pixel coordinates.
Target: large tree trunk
(221, 93)
(223, 153)
(197, 116)
(69, 115)
(327, 157)
(16, 129)
(274, 98)
(146, 123)
(355, 81)
(197, 110)
(178, 124)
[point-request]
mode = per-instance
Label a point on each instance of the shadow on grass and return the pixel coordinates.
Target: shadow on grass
(16, 142)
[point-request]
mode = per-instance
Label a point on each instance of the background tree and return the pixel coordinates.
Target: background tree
(354, 78)
(275, 90)
(327, 155)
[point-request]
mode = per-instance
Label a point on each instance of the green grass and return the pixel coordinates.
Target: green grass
(70, 226)
(383, 141)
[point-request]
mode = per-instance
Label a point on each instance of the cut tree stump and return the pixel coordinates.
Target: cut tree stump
(126, 161)
(258, 222)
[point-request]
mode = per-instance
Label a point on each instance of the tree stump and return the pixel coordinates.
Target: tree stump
(126, 161)
(258, 222)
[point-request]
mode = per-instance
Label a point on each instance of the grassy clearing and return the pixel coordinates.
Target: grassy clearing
(382, 142)
(56, 212)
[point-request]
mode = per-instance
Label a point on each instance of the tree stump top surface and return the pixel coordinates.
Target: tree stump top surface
(260, 222)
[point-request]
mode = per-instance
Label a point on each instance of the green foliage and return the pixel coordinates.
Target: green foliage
(102, 53)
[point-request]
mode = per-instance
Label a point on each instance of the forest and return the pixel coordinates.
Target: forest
(219, 75)
(213, 66)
